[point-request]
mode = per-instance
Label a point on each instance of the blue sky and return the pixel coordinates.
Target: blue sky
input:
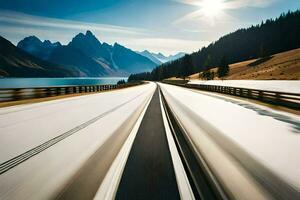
(166, 26)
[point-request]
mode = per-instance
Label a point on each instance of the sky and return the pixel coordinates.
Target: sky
(167, 26)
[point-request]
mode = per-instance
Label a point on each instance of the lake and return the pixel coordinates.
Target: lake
(42, 82)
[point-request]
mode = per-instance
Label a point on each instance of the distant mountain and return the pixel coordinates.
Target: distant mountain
(130, 61)
(176, 56)
(15, 62)
(159, 58)
(91, 57)
(36, 47)
(151, 56)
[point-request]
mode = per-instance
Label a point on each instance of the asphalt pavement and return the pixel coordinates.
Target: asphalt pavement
(149, 172)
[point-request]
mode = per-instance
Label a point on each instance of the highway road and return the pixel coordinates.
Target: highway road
(153, 141)
(149, 173)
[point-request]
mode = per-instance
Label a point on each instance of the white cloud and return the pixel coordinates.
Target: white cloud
(30, 20)
(249, 3)
(234, 4)
(222, 16)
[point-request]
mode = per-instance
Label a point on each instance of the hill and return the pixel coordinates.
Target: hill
(281, 66)
(270, 37)
(15, 62)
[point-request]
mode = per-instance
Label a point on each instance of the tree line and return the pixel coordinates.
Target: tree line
(270, 37)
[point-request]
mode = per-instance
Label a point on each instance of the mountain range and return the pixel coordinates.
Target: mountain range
(17, 63)
(159, 58)
(88, 56)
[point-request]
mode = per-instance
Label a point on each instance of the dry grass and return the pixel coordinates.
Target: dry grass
(282, 66)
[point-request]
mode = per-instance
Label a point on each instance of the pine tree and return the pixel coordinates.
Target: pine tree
(223, 69)
(187, 66)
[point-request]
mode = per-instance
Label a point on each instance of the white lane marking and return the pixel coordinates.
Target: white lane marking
(110, 183)
(184, 187)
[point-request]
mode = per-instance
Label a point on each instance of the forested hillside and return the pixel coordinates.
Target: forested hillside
(270, 37)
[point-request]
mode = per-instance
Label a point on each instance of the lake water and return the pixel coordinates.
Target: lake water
(42, 82)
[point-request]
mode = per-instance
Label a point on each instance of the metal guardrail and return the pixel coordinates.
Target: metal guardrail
(15, 94)
(285, 99)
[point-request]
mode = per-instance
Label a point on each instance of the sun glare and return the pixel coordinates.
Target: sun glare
(211, 8)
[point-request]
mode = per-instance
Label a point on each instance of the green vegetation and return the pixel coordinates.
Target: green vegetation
(208, 75)
(223, 69)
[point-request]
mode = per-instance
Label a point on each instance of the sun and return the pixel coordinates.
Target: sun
(211, 8)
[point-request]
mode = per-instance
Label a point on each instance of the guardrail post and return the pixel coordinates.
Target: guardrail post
(48, 92)
(250, 93)
(16, 94)
(36, 93)
(278, 98)
(63, 91)
(260, 95)
(68, 90)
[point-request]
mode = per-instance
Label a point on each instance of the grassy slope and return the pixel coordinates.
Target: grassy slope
(282, 66)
